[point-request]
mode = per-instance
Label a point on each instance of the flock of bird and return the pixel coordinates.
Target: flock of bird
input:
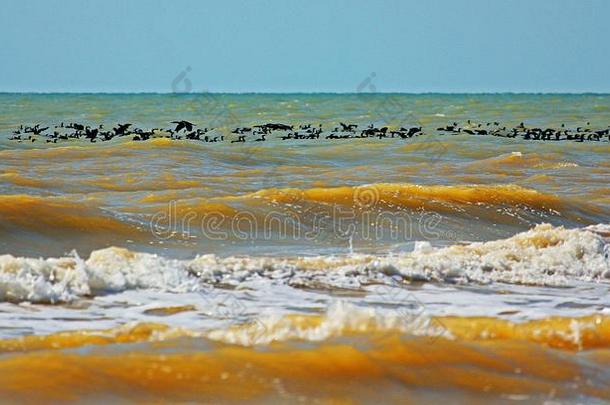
(258, 133)
(186, 130)
(579, 134)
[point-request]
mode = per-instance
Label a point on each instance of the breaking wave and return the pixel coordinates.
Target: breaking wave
(343, 320)
(544, 255)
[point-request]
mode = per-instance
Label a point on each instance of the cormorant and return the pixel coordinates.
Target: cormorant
(183, 125)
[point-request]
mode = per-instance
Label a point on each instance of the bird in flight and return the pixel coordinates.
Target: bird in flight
(121, 128)
(180, 125)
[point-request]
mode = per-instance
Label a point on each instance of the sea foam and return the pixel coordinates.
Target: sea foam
(544, 256)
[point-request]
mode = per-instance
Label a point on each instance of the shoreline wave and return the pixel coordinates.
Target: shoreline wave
(544, 256)
(341, 320)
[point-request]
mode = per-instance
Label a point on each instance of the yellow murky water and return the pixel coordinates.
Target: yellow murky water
(436, 268)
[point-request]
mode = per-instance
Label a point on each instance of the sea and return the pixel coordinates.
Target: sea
(437, 267)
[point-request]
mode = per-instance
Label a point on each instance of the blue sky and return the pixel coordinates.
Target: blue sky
(305, 46)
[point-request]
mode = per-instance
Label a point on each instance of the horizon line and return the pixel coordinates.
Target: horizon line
(297, 93)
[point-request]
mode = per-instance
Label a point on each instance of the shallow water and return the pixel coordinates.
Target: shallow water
(235, 265)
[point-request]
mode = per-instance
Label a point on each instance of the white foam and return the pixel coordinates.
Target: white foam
(24, 279)
(108, 270)
(340, 318)
(545, 255)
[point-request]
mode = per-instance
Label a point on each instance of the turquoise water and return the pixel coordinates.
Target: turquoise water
(155, 110)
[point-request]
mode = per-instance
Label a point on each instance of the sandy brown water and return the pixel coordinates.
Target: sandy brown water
(339, 271)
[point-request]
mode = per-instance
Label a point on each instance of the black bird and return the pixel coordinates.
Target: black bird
(411, 131)
(348, 127)
(91, 134)
(37, 131)
(183, 125)
(193, 135)
(121, 129)
(281, 127)
(241, 130)
(107, 135)
(274, 127)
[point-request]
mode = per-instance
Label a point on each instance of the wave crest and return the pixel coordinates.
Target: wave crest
(544, 255)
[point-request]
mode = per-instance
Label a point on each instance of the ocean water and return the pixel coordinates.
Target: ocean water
(442, 266)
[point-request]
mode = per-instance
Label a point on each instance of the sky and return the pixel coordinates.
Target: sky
(304, 45)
